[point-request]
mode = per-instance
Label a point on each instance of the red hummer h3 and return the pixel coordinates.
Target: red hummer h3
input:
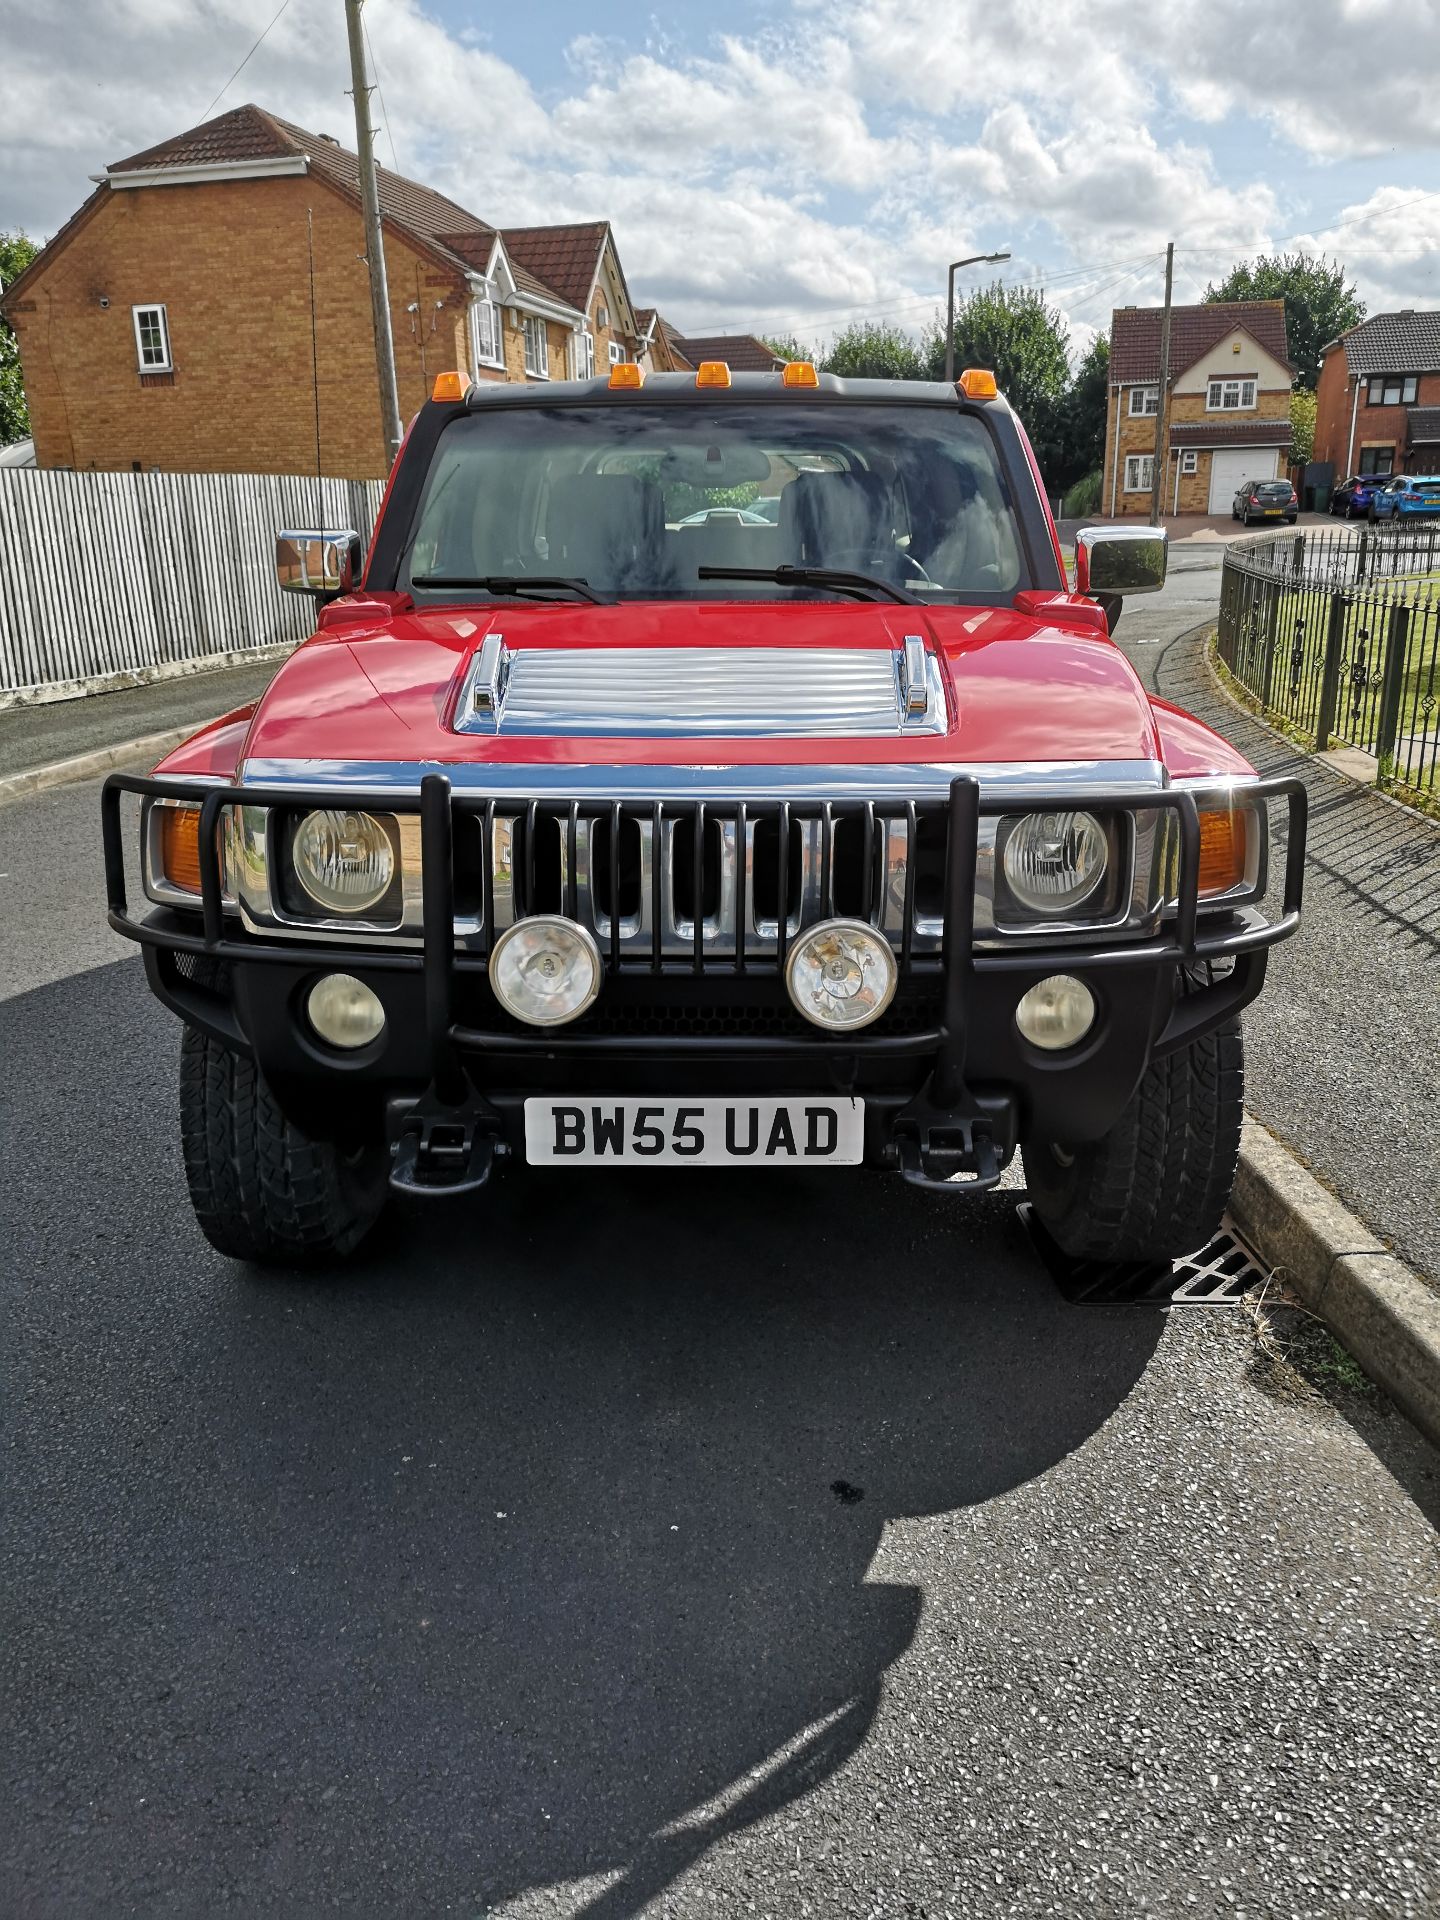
(710, 770)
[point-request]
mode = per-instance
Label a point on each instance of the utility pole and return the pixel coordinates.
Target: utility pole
(1160, 464)
(975, 260)
(374, 237)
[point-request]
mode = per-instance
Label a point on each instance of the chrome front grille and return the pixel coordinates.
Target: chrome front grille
(727, 876)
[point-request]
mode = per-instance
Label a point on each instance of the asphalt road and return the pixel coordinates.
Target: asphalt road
(651, 1545)
(1340, 1050)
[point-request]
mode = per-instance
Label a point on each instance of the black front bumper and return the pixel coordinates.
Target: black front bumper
(949, 1083)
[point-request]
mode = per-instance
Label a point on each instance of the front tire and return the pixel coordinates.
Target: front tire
(261, 1190)
(1155, 1187)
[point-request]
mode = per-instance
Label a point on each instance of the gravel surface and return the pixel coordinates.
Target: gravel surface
(628, 1545)
(1342, 1047)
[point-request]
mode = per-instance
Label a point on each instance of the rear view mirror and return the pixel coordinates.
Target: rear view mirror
(1120, 560)
(318, 563)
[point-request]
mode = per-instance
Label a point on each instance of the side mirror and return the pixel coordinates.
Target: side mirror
(323, 564)
(1120, 560)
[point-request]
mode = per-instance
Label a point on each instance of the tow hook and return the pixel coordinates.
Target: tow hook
(933, 1144)
(443, 1149)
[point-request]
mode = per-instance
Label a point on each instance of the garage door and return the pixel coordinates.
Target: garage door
(1231, 469)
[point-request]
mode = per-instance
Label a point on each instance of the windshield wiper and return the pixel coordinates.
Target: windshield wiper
(517, 583)
(861, 585)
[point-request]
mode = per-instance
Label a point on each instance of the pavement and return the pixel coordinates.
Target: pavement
(1336, 1049)
(616, 1546)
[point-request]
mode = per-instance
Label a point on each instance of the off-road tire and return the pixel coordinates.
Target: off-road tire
(1155, 1187)
(262, 1190)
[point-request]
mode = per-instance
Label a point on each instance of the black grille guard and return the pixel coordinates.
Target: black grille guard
(1243, 935)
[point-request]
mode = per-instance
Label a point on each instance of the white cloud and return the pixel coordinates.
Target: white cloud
(830, 163)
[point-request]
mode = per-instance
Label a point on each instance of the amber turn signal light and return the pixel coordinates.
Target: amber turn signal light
(977, 383)
(627, 374)
(799, 373)
(450, 386)
(712, 373)
(1224, 850)
(180, 847)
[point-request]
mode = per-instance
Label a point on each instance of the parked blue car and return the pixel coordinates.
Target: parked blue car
(1406, 497)
(1352, 497)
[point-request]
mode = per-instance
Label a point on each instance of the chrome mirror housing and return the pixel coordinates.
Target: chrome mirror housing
(1120, 560)
(309, 561)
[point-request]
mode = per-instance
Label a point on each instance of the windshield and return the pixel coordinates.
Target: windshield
(635, 500)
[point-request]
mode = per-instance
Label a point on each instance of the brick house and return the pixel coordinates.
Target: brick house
(1230, 381)
(1377, 402)
(208, 307)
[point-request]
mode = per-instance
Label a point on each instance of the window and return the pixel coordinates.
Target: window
(584, 351)
(1393, 390)
(602, 314)
(152, 339)
(1144, 400)
(618, 497)
(1139, 472)
(617, 353)
(1377, 459)
(1189, 461)
(537, 348)
(1229, 396)
(485, 333)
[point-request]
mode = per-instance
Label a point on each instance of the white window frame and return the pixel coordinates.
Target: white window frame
(1144, 401)
(483, 304)
(1189, 460)
(1218, 394)
(616, 351)
(1142, 466)
(584, 350)
(537, 347)
(156, 307)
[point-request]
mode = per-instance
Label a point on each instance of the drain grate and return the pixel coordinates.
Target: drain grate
(1219, 1275)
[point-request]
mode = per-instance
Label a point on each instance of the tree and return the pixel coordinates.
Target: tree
(1319, 307)
(787, 347)
(875, 350)
(1025, 344)
(1302, 425)
(1082, 418)
(16, 253)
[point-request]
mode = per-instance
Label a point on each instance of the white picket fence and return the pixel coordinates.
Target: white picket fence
(109, 578)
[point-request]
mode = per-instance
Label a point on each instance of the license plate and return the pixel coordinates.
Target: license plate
(694, 1133)
(1273, 513)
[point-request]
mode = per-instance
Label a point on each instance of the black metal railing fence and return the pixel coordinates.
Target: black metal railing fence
(1336, 632)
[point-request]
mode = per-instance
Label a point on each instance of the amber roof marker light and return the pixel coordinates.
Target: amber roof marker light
(627, 374)
(450, 386)
(712, 373)
(972, 260)
(978, 383)
(799, 373)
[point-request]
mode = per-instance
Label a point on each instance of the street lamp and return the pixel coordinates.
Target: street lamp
(975, 260)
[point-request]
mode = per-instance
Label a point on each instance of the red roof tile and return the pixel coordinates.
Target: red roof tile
(564, 258)
(741, 352)
(1194, 332)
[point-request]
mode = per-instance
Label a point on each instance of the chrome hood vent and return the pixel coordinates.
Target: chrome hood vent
(778, 693)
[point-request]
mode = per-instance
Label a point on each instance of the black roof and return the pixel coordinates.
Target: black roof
(1407, 342)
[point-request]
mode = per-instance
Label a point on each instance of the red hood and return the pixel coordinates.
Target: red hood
(379, 684)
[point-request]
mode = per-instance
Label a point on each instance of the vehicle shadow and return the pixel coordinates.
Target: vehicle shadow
(532, 1548)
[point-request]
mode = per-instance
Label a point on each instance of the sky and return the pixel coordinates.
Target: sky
(794, 166)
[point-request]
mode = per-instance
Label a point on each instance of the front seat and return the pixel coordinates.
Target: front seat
(607, 529)
(833, 519)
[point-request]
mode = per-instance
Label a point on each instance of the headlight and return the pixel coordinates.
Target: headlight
(841, 974)
(1053, 861)
(344, 861)
(545, 970)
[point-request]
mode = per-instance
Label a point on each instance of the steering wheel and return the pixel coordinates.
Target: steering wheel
(884, 561)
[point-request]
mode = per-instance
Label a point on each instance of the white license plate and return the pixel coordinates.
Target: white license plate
(694, 1133)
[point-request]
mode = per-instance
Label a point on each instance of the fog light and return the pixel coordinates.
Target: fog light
(841, 974)
(344, 1011)
(344, 861)
(1056, 1013)
(545, 970)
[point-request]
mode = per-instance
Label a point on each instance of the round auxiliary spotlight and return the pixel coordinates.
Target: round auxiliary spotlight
(841, 974)
(545, 970)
